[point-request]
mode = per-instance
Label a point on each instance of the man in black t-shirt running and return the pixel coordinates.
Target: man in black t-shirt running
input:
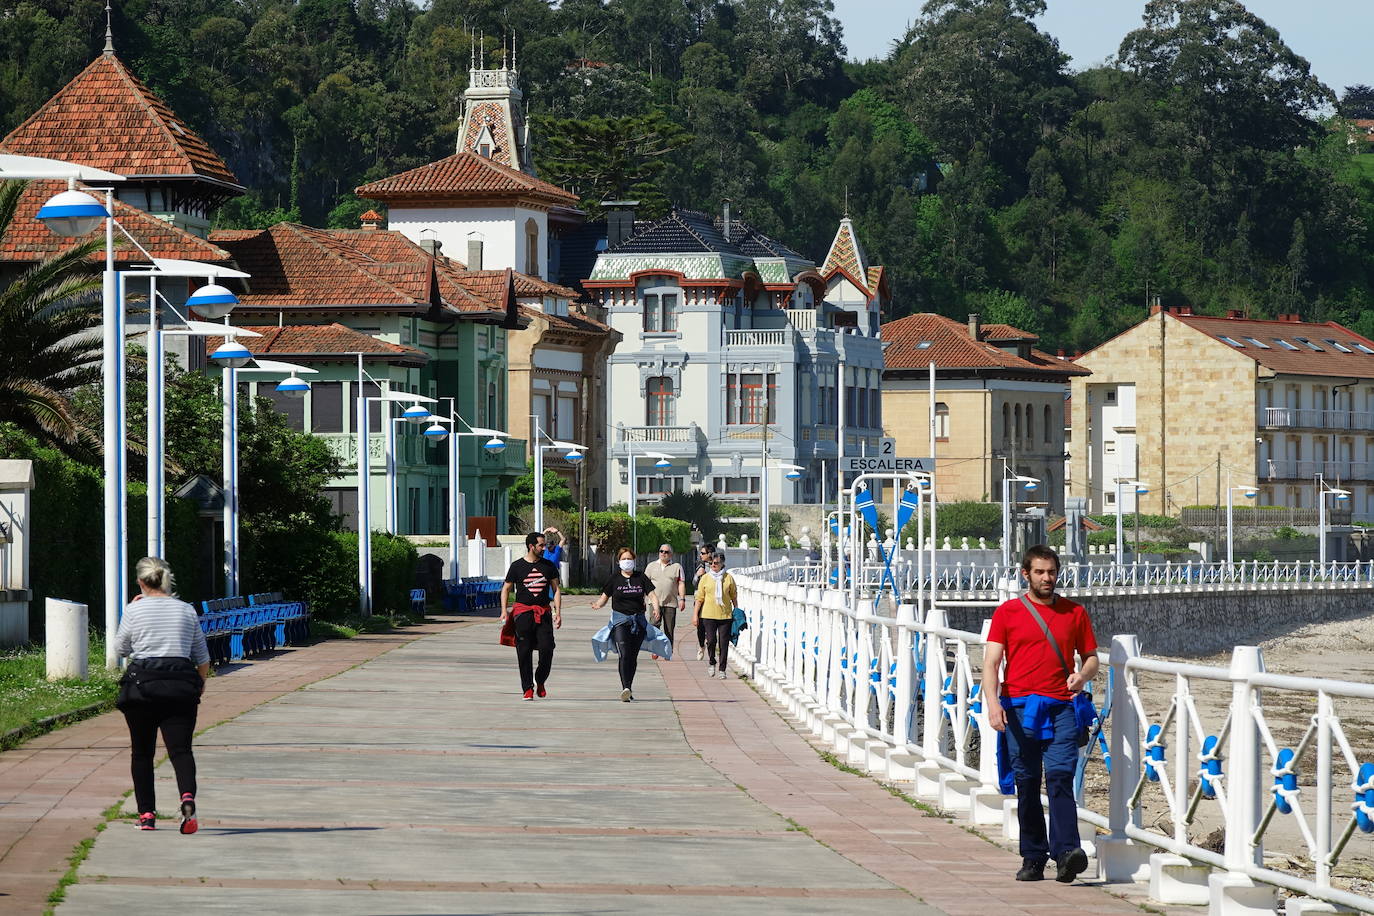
(535, 580)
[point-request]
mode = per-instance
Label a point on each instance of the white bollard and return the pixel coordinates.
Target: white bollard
(477, 557)
(68, 647)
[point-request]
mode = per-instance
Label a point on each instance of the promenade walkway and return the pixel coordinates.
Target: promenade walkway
(419, 782)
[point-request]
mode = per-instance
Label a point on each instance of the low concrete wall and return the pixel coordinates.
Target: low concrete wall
(1204, 623)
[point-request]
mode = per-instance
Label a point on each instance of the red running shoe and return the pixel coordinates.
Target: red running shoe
(540, 691)
(147, 821)
(529, 694)
(189, 824)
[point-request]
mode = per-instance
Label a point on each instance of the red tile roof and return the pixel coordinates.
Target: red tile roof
(319, 341)
(1330, 361)
(29, 240)
(105, 117)
(950, 347)
(465, 175)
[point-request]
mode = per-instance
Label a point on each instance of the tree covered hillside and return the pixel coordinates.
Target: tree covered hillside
(1206, 167)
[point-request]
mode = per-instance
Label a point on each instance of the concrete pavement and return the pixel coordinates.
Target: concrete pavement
(420, 782)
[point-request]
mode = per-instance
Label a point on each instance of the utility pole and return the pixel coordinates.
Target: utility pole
(1216, 515)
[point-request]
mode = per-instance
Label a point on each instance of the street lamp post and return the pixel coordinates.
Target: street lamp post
(574, 453)
(661, 461)
(1140, 490)
(1028, 484)
(1230, 539)
(793, 472)
(416, 413)
(1324, 491)
(435, 434)
(75, 213)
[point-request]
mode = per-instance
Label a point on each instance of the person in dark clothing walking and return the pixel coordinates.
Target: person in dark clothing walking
(538, 612)
(703, 569)
(627, 591)
(161, 687)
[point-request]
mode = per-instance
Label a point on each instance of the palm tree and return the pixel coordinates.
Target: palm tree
(48, 348)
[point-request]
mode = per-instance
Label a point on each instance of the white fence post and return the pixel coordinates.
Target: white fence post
(1120, 858)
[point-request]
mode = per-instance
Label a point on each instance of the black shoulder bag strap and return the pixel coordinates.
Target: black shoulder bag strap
(1045, 628)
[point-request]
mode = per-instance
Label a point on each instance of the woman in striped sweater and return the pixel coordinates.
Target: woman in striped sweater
(168, 663)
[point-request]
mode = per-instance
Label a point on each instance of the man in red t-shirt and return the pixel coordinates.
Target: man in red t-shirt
(1036, 712)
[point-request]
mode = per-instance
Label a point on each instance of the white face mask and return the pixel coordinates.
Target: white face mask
(627, 565)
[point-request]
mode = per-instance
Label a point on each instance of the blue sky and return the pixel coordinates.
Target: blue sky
(1333, 35)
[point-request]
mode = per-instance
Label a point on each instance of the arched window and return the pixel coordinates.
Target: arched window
(1030, 423)
(532, 248)
(1006, 423)
(941, 420)
(1016, 414)
(1048, 434)
(660, 298)
(660, 404)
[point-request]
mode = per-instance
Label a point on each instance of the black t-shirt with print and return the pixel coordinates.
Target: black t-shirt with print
(627, 593)
(532, 580)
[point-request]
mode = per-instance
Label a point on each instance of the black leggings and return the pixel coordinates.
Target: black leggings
(177, 720)
(627, 641)
(529, 636)
(717, 640)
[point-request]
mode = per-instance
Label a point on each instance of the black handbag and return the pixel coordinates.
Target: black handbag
(159, 680)
(1083, 709)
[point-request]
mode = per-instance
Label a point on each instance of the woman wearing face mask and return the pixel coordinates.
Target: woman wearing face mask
(627, 592)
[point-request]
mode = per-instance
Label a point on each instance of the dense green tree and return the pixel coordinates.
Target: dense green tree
(1357, 102)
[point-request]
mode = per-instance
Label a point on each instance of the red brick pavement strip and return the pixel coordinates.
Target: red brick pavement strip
(744, 737)
(54, 789)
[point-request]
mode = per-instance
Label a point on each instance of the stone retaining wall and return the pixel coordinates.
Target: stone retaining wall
(1204, 623)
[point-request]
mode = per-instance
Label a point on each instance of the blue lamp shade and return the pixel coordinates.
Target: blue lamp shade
(415, 413)
(293, 387)
(1342, 496)
(435, 433)
(1141, 491)
(232, 354)
(495, 445)
(574, 456)
(793, 474)
(1250, 494)
(663, 463)
(1030, 485)
(212, 301)
(72, 213)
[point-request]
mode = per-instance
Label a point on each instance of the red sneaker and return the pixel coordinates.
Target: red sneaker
(529, 694)
(188, 814)
(540, 691)
(147, 821)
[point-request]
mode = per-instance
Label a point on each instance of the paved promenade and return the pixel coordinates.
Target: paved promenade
(420, 782)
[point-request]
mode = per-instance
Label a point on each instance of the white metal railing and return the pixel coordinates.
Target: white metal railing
(658, 434)
(1287, 469)
(774, 337)
(900, 695)
(1314, 418)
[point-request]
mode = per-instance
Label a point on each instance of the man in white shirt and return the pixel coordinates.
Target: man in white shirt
(670, 586)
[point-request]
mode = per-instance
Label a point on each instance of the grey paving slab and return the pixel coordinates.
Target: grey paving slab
(96, 900)
(525, 740)
(419, 854)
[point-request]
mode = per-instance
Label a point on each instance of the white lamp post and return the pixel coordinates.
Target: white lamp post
(1323, 491)
(1140, 490)
(1028, 484)
(792, 472)
(436, 433)
(75, 213)
(661, 461)
(573, 453)
(1230, 539)
(414, 413)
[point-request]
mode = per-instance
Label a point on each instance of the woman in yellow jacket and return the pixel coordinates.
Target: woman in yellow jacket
(715, 606)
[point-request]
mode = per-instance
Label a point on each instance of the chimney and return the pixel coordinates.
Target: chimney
(620, 220)
(975, 326)
(371, 220)
(474, 261)
(431, 247)
(725, 218)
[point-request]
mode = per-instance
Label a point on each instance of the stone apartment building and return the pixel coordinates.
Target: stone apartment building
(999, 406)
(1186, 402)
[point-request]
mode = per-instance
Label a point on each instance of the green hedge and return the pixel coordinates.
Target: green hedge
(330, 582)
(612, 530)
(1128, 519)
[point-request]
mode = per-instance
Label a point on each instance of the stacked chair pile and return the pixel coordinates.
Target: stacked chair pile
(238, 627)
(471, 594)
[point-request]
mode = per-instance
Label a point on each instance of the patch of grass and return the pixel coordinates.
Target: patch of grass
(350, 626)
(30, 705)
(80, 853)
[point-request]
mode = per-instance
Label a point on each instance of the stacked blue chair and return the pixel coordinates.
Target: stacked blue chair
(417, 601)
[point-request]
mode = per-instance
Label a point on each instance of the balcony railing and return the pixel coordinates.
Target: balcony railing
(1331, 471)
(772, 337)
(657, 434)
(1314, 418)
(802, 319)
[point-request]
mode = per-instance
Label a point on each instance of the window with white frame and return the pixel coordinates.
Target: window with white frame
(747, 394)
(659, 484)
(565, 418)
(941, 420)
(735, 486)
(659, 302)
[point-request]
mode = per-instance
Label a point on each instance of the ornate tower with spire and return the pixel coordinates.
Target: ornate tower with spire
(493, 120)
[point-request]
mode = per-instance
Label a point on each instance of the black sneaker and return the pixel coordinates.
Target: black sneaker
(1070, 865)
(189, 824)
(1031, 870)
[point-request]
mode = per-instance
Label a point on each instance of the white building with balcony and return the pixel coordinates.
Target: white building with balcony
(1188, 402)
(731, 343)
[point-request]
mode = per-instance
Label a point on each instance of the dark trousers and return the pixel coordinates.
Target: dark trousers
(701, 632)
(667, 622)
(177, 721)
(717, 640)
(1055, 758)
(627, 638)
(528, 637)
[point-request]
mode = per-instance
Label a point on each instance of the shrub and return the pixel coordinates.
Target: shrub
(958, 520)
(612, 530)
